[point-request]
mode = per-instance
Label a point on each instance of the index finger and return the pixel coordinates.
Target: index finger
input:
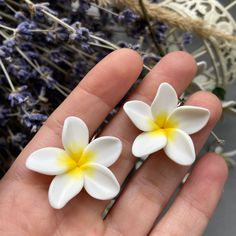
(101, 89)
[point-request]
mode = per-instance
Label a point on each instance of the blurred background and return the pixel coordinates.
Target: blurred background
(224, 219)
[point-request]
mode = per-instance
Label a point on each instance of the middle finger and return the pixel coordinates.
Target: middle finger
(178, 69)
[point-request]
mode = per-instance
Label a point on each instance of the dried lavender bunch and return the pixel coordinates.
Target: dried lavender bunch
(46, 48)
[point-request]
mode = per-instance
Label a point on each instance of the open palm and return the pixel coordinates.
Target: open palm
(24, 207)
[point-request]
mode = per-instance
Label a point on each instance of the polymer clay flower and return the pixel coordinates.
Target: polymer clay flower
(165, 125)
(81, 164)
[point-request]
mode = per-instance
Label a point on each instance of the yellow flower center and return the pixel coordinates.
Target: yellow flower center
(76, 160)
(162, 125)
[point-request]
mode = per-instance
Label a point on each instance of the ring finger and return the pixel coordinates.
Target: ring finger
(153, 185)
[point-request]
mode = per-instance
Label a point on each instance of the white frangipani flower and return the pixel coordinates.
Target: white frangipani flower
(81, 164)
(165, 125)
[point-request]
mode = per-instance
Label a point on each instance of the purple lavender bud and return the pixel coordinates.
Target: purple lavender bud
(26, 46)
(23, 73)
(62, 34)
(79, 69)
(24, 30)
(25, 27)
(86, 47)
(33, 120)
(5, 52)
(4, 113)
(19, 96)
(128, 16)
(19, 69)
(187, 38)
(20, 16)
(56, 56)
(81, 35)
(9, 43)
(84, 5)
(50, 37)
(160, 31)
(47, 77)
(8, 47)
(46, 70)
(32, 55)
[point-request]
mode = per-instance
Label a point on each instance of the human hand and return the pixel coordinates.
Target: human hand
(24, 207)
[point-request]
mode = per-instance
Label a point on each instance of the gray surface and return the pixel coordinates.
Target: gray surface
(223, 222)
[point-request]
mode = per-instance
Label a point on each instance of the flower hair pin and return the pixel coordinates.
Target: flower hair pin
(80, 164)
(166, 125)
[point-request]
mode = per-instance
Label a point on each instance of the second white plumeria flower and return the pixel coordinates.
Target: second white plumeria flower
(165, 125)
(81, 164)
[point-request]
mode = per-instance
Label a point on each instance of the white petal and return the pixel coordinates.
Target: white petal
(49, 161)
(148, 143)
(180, 147)
(140, 114)
(64, 187)
(189, 118)
(104, 150)
(100, 182)
(75, 135)
(163, 104)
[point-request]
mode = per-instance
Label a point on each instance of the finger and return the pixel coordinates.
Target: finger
(151, 188)
(177, 69)
(196, 202)
(100, 90)
(122, 128)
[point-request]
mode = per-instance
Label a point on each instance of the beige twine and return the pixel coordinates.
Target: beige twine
(185, 23)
